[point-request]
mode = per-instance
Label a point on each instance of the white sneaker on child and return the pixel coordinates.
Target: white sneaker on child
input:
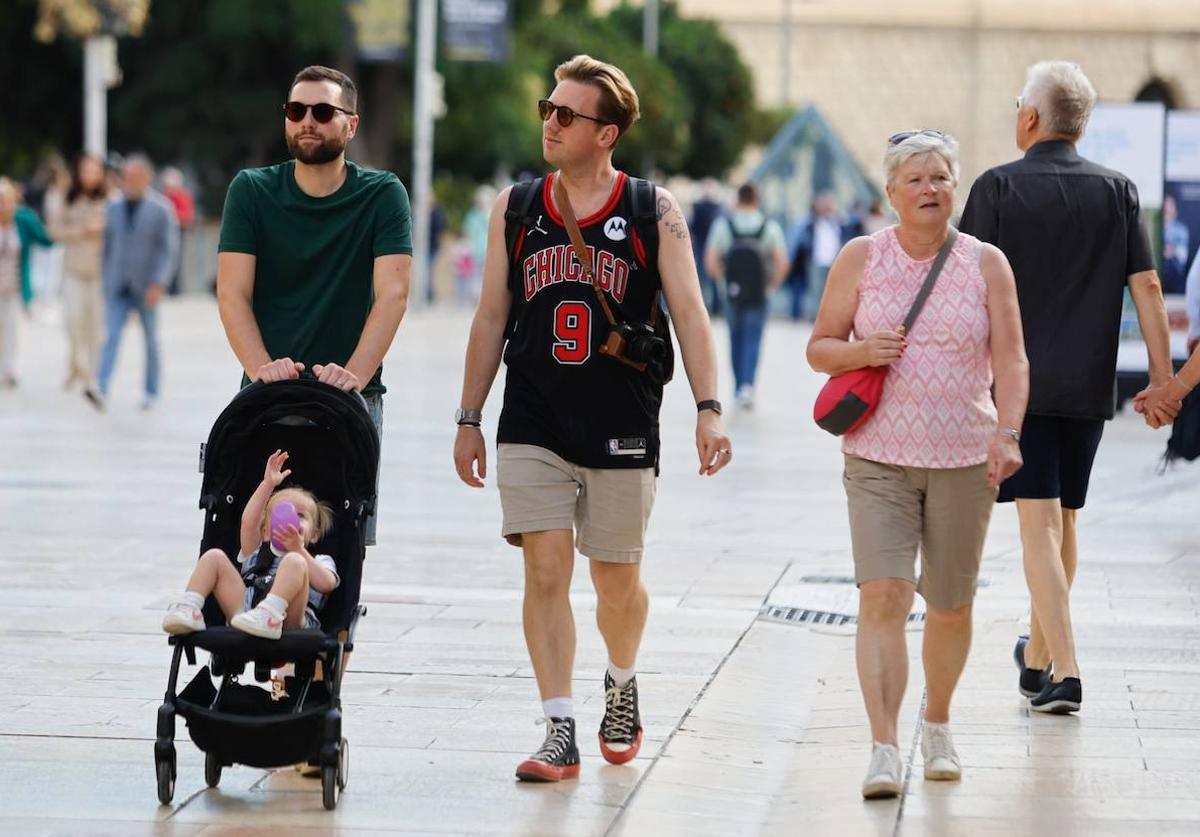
(182, 617)
(261, 622)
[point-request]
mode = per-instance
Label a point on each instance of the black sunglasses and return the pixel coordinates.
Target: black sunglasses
(896, 139)
(321, 111)
(566, 116)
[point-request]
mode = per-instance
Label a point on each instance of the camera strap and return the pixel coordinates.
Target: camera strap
(581, 251)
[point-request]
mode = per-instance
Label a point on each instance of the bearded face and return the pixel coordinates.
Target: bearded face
(313, 149)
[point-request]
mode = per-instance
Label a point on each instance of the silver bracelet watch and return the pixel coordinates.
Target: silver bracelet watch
(468, 417)
(1008, 431)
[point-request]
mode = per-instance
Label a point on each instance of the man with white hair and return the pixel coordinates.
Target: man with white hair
(1074, 235)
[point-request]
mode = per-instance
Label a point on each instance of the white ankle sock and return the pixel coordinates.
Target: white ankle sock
(276, 605)
(559, 707)
(621, 676)
(192, 598)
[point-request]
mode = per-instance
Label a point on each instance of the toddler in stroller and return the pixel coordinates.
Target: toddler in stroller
(299, 607)
(277, 588)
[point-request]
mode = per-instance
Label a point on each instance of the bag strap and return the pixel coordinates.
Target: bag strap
(581, 251)
(645, 219)
(930, 280)
(516, 214)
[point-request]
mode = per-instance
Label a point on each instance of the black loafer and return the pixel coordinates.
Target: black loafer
(1032, 680)
(1059, 698)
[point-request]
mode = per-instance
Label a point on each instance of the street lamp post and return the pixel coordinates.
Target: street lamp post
(423, 116)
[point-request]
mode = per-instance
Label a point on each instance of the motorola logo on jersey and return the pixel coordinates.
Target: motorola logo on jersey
(614, 228)
(557, 263)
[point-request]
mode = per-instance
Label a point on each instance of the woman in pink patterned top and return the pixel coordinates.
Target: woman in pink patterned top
(922, 472)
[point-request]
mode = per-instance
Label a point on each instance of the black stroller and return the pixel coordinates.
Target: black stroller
(334, 451)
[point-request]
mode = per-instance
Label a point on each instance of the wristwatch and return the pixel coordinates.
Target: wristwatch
(1008, 431)
(471, 418)
(709, 404)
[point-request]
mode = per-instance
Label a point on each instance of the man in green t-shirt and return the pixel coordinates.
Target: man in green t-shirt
(315, 254)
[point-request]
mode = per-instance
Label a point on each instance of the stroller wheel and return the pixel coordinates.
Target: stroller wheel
(212, 770)
(164, 770)
(329, 787)
(343, 764)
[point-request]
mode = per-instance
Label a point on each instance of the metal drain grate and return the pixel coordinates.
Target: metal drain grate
(808, 616)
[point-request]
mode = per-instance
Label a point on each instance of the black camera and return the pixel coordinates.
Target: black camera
(637, 345)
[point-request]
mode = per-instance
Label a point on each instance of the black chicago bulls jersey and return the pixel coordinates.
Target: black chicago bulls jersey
(561, 393)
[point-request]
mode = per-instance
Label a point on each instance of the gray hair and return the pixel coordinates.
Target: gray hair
(918, 145)
(1061, 94)
(138, 158)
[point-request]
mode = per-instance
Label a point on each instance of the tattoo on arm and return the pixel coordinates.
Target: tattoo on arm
(676, 225)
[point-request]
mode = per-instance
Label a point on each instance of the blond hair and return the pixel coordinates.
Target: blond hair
(618, 103)
(322, 512)
(921, 144)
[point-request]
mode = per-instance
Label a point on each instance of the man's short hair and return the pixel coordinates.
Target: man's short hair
(1062, 95)
(747, 194)
(318, 73)
(618, 100)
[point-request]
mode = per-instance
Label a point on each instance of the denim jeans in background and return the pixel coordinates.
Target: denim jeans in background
(746, 326)
(117, 308)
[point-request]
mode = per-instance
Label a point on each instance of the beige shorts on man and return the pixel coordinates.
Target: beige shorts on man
(540, 491)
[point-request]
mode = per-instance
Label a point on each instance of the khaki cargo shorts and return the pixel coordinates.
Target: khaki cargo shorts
(608, 508)
(895, 509)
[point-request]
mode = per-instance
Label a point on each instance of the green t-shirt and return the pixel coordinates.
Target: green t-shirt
(315, 257)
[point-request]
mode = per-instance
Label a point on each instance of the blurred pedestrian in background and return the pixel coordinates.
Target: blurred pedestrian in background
(475, 235)
(175, 191)
(141, 244)
(747, 250)
(79, 227)
(20, 230)
(821, 237)
(705, 211)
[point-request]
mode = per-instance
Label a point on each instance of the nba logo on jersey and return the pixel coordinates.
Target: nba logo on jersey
(614, 228)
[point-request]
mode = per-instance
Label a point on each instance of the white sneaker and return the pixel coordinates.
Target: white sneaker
(182, 617)
(745, 397)
(937, 748)
(884, 774)
(261, 621)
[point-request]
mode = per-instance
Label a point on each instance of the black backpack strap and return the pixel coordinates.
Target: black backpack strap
(517, 216)
(645, 217)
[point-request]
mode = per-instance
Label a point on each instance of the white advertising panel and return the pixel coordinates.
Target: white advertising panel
(1130, 138)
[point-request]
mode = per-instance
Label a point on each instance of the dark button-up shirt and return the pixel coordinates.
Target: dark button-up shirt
(1073, 233)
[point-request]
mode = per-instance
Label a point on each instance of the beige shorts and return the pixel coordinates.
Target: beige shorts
(895, 509)
(608, 508)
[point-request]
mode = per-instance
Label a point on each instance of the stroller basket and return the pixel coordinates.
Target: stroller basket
(250, 727)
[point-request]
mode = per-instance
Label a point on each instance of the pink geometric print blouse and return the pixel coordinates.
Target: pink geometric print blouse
(936, 410)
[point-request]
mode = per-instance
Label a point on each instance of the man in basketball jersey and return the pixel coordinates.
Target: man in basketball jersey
(578, 434)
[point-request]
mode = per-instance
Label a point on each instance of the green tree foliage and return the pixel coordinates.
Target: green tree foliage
(713, 78)
(204, 84)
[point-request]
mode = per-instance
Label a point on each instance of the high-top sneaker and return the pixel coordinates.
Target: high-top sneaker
(558, 757)
(621, 729)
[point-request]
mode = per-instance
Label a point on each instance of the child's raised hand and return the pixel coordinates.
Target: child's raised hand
(289, 536)
(274, 473)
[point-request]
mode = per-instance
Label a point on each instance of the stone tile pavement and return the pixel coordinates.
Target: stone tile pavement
(753, 726)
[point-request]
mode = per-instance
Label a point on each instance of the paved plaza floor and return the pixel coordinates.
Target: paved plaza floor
(754, 723)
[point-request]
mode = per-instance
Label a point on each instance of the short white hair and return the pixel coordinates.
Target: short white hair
(1061, 94)
(918, 145)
